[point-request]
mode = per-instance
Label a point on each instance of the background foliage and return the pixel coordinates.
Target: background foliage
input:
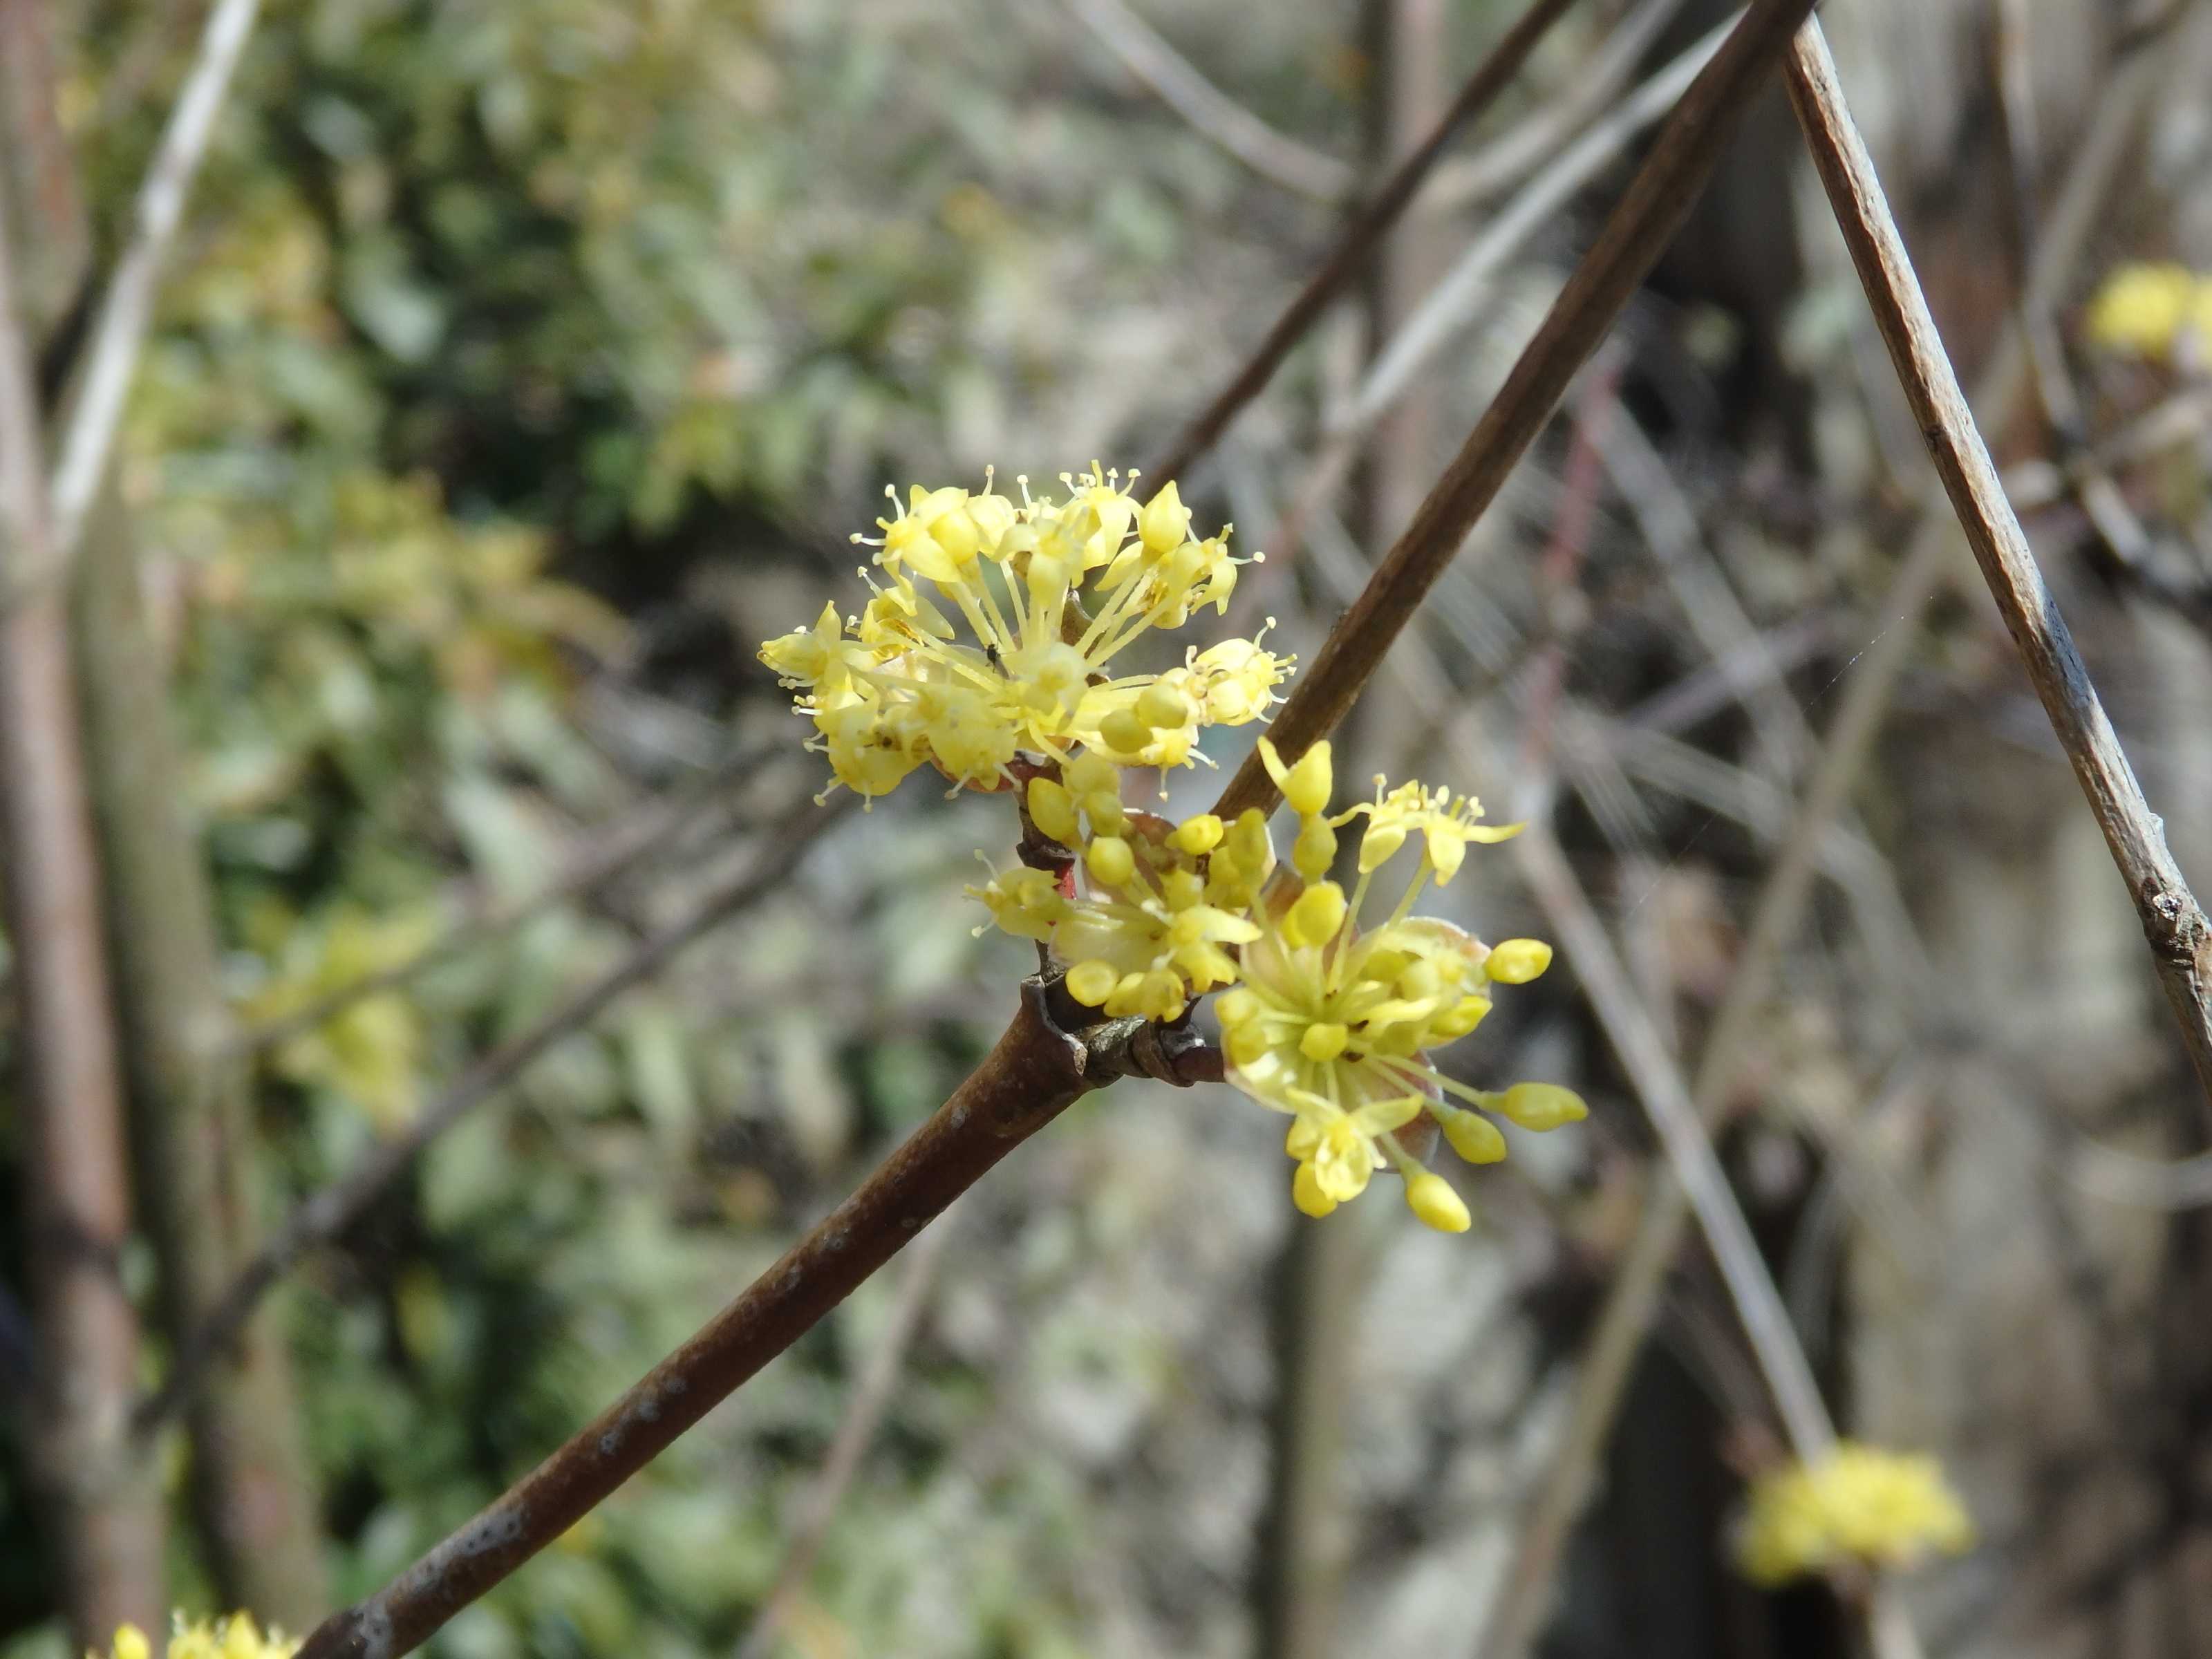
(525, 364)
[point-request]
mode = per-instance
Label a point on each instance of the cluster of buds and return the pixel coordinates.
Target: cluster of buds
(1046, 594)
(1326, 1023)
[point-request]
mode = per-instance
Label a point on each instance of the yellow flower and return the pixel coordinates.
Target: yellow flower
(2151, 310)
(1332, 1025)
(1859, 1506)
(1445, 825)
(1049, 593)
(234, 1637)
(1321, 1021)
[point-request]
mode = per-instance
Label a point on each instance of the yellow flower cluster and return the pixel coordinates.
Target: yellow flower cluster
(991, 629)
(1333, 1025)
(1859, 1506)
(2162, 311)
(1320, 1021)
(234, 1637)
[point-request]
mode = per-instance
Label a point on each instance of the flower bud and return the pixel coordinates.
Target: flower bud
(1197, 836)
(1091, 775)
(1110, 860)
(1308, 784)
(1234, 1008)
(1165, 521)
(1125, 731)
(1324, 1040)
(1315, 917)
(1052, 808)
(1539, 1105)
(1091, 982)
(1306, 1193)
(1314, 850)
(1473, 1137)
(1430, 1197)
(1517, 961)
(1160, 704)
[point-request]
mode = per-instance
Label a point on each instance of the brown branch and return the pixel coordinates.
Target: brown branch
(1657, 201)
(1519, 151)
(1211, 112)
(1362, 234)
(2173, 920)
(322, 1216)
(1036, 1071)
(100, 1506)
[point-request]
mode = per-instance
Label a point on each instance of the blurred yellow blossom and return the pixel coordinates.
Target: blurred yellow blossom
(236, 1637)
(1859, 1505)
(370, 1049)
(990, 631)
(2162, 311)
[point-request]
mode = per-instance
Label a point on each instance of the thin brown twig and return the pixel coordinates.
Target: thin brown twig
(864, 1412)
(2173, 920)
(324, 1215)
(1514, 154)
(1272, 154)
(1362, 233)
(1656, 202)
(1459, 294)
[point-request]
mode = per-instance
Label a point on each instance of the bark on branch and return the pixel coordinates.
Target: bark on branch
(2173, 920)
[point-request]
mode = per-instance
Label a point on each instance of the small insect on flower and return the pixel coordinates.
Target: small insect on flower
(1859, 1508)
(992, 626)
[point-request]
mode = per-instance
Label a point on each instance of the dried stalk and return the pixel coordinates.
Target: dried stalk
(1666, 1099)
(1468, 283)
(1362, 234)
(1273, 156)
(1657, 201)
(1514, 154)
(118, 334)
(100, 1505)
(2173, 920)
(1697, 1175)
(324, 1215)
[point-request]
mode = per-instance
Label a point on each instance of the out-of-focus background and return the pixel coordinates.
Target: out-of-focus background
(522, 364)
